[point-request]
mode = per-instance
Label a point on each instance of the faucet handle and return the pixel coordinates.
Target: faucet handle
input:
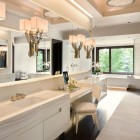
(20, 95)
(13, 98)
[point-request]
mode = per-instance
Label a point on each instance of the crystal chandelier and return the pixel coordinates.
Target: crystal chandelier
(88, 46)
(34, 29)
(118, 3)
(77, 43)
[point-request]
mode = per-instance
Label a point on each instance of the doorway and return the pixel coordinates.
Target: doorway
(56, 57)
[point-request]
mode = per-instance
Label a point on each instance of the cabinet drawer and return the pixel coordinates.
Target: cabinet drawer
(56, 124)
(35, 133)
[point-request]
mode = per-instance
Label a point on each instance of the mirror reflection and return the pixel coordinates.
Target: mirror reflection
(55, 52)
(3, 53)
(35, 66)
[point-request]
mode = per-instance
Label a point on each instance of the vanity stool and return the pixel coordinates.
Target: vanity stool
(87, 108)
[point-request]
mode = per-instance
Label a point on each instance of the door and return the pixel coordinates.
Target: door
(56, 57)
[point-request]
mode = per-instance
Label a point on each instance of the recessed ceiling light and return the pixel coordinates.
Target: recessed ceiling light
(118, 3)
(51, 15)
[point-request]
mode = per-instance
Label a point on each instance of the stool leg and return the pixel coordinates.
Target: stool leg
(95, 119)
(73, 117)
(77, 121)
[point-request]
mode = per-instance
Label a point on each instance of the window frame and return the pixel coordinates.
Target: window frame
(110, 48)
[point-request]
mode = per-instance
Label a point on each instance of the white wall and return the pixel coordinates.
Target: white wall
(74, 65)
(23, 62)
(85, 64)
(137, 57)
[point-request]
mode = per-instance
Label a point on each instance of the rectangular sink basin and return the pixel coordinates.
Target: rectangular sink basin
(27, 102)
(7, 110)
(16, 106)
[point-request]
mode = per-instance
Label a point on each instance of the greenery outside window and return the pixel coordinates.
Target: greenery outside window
(116, 60)
(41, 59)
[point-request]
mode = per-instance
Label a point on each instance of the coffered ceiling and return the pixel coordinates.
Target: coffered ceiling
(105, 18)
(105, 10)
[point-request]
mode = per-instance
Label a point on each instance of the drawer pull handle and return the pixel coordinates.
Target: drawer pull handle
(56, 112)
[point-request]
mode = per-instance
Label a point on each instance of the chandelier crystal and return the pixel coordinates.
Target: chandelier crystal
(34, 29)
(119, 3)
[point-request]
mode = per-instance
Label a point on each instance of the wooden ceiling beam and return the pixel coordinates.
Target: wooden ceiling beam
(66, 10)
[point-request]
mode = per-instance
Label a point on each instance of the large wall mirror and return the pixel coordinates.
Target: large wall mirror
(34, 66)
(3, 53)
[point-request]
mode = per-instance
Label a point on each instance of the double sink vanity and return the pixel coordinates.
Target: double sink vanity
(43, 114)
(40, 116)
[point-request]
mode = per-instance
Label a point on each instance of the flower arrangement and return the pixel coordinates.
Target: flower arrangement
(96, 67)
(72, 84)
(44, 66)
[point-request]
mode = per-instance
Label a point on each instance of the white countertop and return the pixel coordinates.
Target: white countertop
(9, 109)
(77, 93)
(94, 79)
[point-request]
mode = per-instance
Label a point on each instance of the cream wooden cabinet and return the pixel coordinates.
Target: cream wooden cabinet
(46, 122)
(35, 133)
(11, 137)
(54, 126)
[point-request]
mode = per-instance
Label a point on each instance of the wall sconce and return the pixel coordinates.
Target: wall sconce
(3, 50)
(88, 46)
(34, 29)
(2, 11)
(77, 43)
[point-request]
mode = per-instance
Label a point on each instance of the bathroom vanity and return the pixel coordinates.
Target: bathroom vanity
(43, 115)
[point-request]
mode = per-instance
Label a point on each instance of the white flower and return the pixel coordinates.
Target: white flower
(72, 81)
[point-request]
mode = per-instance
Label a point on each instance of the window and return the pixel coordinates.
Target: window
(40, 60)
(104, 59)
(117, 60)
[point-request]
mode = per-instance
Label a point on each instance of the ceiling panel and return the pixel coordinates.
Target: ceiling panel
(105, 10)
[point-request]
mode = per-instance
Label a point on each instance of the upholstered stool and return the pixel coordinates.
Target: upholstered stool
(87, 108)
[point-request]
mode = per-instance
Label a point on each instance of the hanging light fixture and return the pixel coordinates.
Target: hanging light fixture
(77, 43)
(118, 3)
(88, 46)
(2, 11)
(34, 29)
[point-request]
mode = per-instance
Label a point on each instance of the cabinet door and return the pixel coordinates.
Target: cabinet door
(57, 124)
(11, 137)
(35, 133)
